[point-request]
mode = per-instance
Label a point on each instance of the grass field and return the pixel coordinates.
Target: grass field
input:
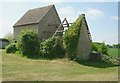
(113, 52)
(20, 68)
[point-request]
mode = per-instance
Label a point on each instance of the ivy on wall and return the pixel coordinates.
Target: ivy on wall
(71, 38)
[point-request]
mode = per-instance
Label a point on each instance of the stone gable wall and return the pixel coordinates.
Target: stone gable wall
(84, 44)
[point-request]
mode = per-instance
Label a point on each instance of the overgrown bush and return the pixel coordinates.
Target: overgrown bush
(11, 48)
(104, 49)
(94, 47)
(71, 37)
(51, 48)
(100, 47)
(28, 43)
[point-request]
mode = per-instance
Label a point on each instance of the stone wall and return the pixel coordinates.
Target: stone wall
(50, 23)
(19, 29)
(84, 44)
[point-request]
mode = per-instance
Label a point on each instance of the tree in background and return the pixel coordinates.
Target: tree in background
(10, 37)
(109, 46)
(116, 45)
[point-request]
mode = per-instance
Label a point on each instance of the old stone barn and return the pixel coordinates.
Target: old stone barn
(45, 21)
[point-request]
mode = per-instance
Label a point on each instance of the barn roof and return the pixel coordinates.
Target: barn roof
(33, 16)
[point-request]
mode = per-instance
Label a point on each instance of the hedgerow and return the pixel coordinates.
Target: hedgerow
(71, 37)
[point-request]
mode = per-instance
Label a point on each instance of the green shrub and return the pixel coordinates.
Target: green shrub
(11, 48)
(51, 48)
(104, 49)
(94, 47)
(28, 43)
(71, 37)
(100, 47)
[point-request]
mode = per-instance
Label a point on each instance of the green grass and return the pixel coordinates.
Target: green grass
(20, 68)
(113, 52)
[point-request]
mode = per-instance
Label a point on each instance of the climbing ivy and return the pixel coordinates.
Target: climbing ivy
(71, 37)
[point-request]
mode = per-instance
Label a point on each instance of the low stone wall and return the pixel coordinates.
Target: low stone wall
(84, 44)
(95, 56)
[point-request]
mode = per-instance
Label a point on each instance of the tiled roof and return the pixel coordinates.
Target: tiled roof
(33, 16)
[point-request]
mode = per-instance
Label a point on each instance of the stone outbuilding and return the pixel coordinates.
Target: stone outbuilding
(3, 43)
(44, 21)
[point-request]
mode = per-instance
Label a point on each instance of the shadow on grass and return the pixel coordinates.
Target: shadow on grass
(98, 64)
(44, 58)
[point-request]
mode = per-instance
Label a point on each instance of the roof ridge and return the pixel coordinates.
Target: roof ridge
(41, 7)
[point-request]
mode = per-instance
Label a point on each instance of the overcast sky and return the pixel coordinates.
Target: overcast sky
(102, 17)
